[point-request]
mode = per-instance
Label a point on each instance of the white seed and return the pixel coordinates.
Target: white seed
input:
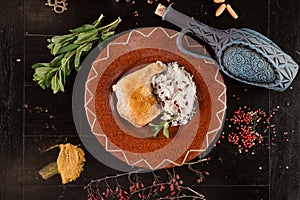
(220, 10)
(231, 11)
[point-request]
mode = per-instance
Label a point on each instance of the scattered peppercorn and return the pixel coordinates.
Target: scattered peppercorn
(249, 127)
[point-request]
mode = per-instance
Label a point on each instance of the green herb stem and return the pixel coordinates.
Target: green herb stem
(110, 26)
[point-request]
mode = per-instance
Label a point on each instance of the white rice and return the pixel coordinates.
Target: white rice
(176, 93)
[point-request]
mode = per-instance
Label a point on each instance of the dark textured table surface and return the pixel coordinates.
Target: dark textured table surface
(32, 119)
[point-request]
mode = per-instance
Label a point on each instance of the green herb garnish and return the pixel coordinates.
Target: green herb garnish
(68, 50)
(158, 127)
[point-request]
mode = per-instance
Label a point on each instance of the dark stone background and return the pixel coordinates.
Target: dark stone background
(24, 27)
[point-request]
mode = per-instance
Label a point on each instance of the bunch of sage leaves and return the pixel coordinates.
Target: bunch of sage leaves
(68, 50)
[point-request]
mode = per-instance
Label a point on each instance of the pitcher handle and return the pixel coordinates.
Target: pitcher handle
(186, 51)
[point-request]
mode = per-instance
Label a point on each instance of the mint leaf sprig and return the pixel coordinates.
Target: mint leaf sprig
(68, 50)
(156, 128)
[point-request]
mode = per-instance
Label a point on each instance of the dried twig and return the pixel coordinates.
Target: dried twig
(162, 184)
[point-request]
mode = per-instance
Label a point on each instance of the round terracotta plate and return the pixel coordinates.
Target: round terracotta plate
(131, 51)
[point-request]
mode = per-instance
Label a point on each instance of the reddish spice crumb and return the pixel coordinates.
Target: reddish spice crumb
(135, 13)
